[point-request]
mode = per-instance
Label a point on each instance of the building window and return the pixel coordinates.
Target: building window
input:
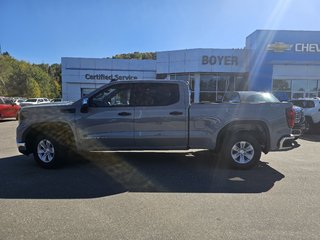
(189, 78)
(214, 86)
(313, 85)
(281, 85)
(285, 89)
(86, 91)
(161, 76)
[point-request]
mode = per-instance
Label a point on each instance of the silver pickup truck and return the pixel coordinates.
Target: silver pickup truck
(153, 115)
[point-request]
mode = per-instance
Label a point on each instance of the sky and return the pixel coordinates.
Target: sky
(43, 31)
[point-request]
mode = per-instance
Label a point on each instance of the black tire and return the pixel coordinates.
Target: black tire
(308, 125)
(241, 151)
(48, 152)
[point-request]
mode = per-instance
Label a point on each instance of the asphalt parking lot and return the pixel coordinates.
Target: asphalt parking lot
(160, 196)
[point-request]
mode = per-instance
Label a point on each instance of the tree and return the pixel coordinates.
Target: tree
(55, 72)
(33, 89)
(136, 55)
(15, 78)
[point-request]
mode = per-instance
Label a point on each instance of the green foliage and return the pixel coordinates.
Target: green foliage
(33, 88)
(136, 55)
(20, 78)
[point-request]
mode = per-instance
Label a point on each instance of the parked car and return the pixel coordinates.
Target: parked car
(56, 100)
(34, 101)
(311, 107)
(145, 114)
(299, 122)
(8, 109)
(18, 101)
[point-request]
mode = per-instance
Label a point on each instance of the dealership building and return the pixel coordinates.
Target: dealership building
(284, 62)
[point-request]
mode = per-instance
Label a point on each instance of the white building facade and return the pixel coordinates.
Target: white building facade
(80, 76)
(209, 72)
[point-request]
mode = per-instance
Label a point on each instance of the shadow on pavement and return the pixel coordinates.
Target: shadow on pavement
(8, 120)
(112, 173)
(311, 137)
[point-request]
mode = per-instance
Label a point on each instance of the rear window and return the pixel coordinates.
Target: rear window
(32, 100)
(303, 103)
(5, 101)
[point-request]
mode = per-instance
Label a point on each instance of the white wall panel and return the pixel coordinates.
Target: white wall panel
(191, 66)
(296, 71)
(70, 72)
(177, 67)
(219, 60)
(163, 67)
(70, 62)
(103, 63)
(88, 63)
(74, 92)
(122, 64)
(70, 78)
(162, 57)
(149, 75)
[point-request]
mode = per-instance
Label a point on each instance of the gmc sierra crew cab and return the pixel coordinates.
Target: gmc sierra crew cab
(154, 115)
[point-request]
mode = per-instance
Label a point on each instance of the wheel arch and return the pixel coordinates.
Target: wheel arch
(258, 128)
(60, 130)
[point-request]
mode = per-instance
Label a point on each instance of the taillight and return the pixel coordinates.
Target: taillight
(290, 117)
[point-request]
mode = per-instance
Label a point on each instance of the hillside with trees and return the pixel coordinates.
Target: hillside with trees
(20, 78)
(136, 55)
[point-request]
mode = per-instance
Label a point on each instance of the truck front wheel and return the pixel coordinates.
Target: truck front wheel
(47, 152)
(241, 151)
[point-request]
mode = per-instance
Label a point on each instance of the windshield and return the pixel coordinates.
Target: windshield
(259, 98)
(250, 97)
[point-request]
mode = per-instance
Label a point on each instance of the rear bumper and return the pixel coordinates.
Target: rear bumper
(297, 132)
(298, 129)
(287, 142)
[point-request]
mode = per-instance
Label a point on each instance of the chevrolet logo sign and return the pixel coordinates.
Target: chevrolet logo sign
(279, 47)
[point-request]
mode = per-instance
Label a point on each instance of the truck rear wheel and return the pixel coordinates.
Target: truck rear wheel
(242, 151)
(47, 152)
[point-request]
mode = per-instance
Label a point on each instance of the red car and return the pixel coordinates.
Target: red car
(8, 109)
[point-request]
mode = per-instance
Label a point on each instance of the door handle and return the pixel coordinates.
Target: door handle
(124, 114)
(176, 113)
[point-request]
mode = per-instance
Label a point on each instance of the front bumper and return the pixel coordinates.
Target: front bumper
(22, 148)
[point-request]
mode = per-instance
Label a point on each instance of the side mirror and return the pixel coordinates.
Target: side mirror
(85, 105)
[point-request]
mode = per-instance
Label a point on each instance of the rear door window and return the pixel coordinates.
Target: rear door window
(156, 94)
